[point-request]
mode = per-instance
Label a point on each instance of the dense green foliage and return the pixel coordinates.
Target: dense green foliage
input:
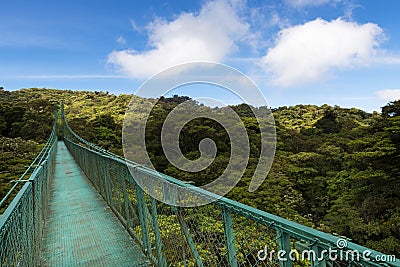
(25, 122)
(15, 156)
(335, 169)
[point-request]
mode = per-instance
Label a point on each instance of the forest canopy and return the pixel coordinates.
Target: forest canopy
(335, 169)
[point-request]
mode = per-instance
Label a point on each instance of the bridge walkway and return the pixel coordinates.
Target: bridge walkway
(81, 230)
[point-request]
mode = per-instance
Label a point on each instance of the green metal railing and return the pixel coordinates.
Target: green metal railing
(223, 233)
(21, 224)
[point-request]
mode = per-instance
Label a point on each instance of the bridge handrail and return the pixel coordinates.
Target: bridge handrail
(288, 232)
(21, 224)
(36, 161)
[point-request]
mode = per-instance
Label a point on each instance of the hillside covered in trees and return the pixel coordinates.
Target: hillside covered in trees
(335, 169)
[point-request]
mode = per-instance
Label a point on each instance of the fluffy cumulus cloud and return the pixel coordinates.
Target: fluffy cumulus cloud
(308, 52)
(210, 35)
(389, 94)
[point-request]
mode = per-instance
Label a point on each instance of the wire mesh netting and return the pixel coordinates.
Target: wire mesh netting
(223, 233)
(21, 225)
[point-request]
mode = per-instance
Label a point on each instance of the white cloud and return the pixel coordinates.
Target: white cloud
(302, 3)
(121, 40)
(136, 27)
(389, 94)
(73, 76)
(208, 36)
(308, 52)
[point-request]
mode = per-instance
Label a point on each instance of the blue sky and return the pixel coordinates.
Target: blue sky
(342, 52)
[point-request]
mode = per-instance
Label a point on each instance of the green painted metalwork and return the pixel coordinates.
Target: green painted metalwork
(189, 239)
(229, 237)
(223, 233)
(161, 259)
(284, 245)
(22, 223)
(143, 221)
(81, 230)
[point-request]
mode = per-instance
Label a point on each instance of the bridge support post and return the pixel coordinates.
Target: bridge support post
(143, 219)
(319, 260)
(103, 183)
(160, 257)
(122, 176)
(189, 239)
(229, 237)
(35, 226)
(284, 245)
(107, 181)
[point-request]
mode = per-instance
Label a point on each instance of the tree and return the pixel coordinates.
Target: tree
(392, 109)
(328, 123)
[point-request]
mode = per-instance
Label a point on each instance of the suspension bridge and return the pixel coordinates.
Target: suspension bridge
(79, 205)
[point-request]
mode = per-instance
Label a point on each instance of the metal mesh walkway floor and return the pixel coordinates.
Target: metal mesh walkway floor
(81, 230)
